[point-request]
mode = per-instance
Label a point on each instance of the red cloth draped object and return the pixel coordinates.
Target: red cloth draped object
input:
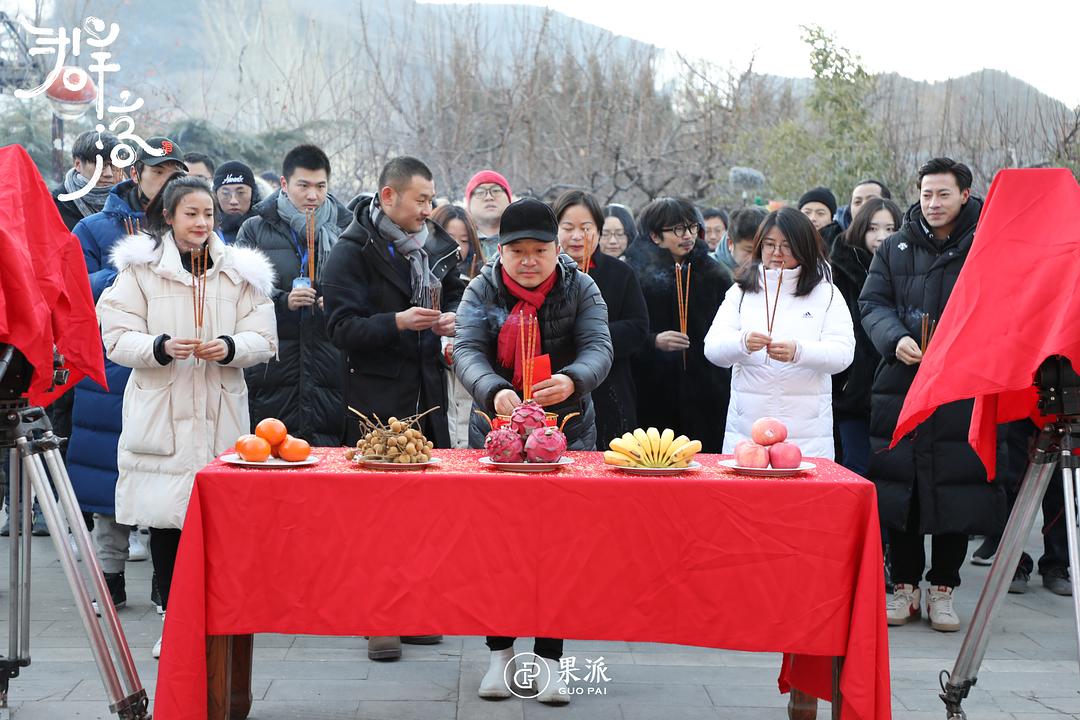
(1014, 305)
(709, 558)
(45, 296)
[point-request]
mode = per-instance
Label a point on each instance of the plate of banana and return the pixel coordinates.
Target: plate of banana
(653, 452)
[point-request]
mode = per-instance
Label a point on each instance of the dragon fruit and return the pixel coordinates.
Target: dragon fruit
(504, 445)
(528, 416)
(545, 445)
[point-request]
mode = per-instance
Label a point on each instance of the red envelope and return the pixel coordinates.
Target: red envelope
(541, 368)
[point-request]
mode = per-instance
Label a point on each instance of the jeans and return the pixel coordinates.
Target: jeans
(855, 437)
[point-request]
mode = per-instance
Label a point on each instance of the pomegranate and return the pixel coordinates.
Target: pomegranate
(528, 416)
(545, 445)
(768, 431)
(784, 456)
(504, 445)
(751, 455)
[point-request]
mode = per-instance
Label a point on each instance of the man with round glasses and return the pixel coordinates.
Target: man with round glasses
(487, 194)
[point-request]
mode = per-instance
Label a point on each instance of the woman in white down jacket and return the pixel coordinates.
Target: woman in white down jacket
(785, 373)
(186, 400)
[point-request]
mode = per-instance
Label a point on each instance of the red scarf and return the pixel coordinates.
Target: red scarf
(529, 302)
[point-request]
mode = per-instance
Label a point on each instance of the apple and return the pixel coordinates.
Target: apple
(785, 456)
(749, 454)
(768, 431)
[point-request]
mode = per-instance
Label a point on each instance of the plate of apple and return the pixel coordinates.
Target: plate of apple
(767, 454)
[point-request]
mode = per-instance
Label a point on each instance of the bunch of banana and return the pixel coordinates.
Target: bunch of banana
(652, 449)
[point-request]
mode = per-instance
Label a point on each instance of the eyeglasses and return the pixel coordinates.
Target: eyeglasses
(226, 193)
(616, 234)
(770, 248)
(681, 230)
(491, 191)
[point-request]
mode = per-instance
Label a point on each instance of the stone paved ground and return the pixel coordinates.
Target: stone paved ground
(1030, 672)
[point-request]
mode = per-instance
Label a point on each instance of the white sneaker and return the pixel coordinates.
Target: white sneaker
(943, 617)
(156, 652)
(137, 548)
(501, 672)
(904, 605)
(556, 692)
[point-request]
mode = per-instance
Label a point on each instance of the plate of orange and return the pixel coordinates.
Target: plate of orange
(270, 445)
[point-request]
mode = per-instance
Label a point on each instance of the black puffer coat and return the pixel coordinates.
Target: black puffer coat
(573, 331)
(693, 401)
(851, 388)
(304, 386)
(391, 372)
(628, 322)
(912, 274)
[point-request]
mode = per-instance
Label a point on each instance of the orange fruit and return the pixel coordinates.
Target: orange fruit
(253, 448)
(271, 430)
(294, 449)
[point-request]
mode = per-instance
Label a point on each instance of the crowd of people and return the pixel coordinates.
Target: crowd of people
(677, 316)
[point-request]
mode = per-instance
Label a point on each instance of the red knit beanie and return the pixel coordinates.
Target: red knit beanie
(487, 176)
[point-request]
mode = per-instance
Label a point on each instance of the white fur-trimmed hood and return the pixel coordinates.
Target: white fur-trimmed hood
(240, 263)
(134, 250)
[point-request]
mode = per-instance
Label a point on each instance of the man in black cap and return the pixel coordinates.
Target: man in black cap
(91, 456)
(819, 204)
(237, 194)
(530, 280)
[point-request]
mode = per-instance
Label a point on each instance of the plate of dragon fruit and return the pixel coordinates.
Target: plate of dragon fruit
(527, 442)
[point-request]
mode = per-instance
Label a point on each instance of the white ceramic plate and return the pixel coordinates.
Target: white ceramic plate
(767, 472)
(275, 463)
(527, 467)
(691, 467)
(376, 465)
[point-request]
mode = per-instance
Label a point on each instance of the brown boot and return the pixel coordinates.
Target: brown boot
(421, 639)
(384, 647)
(801, 706)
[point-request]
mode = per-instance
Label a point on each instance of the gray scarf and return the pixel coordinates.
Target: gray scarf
(326, 229)
(411, 246)
(90, 203)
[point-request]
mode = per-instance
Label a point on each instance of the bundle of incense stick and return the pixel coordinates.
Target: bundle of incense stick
(528, 333)
(928, 327)
(682, 297)
(311, 245)
(770, 318)
(435, 296)
(589, 247)
(198, 288)
(133, 226)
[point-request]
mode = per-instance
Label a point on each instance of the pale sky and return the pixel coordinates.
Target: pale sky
(1037, 41)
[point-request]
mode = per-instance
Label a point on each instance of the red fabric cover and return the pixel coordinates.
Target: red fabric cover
(710, 559)
(45, 296)
(509, 349)
(1013, 306)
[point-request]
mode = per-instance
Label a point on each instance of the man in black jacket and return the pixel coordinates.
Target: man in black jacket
(304, 385)
(84, 155)
(932, 482)
(390, 267)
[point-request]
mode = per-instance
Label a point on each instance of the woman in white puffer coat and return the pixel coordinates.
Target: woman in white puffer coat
(186, 399)
(785, 373)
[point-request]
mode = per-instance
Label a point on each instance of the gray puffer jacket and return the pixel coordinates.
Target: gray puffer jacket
(573, 330)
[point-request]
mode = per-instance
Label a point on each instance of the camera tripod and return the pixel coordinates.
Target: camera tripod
(1059, 396)
(36, 468)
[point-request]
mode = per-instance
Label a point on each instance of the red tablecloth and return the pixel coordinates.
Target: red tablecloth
(709, 558)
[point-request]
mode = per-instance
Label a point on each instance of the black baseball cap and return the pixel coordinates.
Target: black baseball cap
(173, 153)
(528, 219)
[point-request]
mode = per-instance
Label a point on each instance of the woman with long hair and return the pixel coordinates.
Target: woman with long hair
(850, 258)
(784, 329)
(677, 387)
(457, 222)
(187, 313)
(580, 220)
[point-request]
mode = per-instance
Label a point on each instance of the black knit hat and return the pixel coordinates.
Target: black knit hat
(528, 219)
(234, 172)
(822, 195)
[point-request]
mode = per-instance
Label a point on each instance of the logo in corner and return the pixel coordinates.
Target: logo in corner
(529, 677)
